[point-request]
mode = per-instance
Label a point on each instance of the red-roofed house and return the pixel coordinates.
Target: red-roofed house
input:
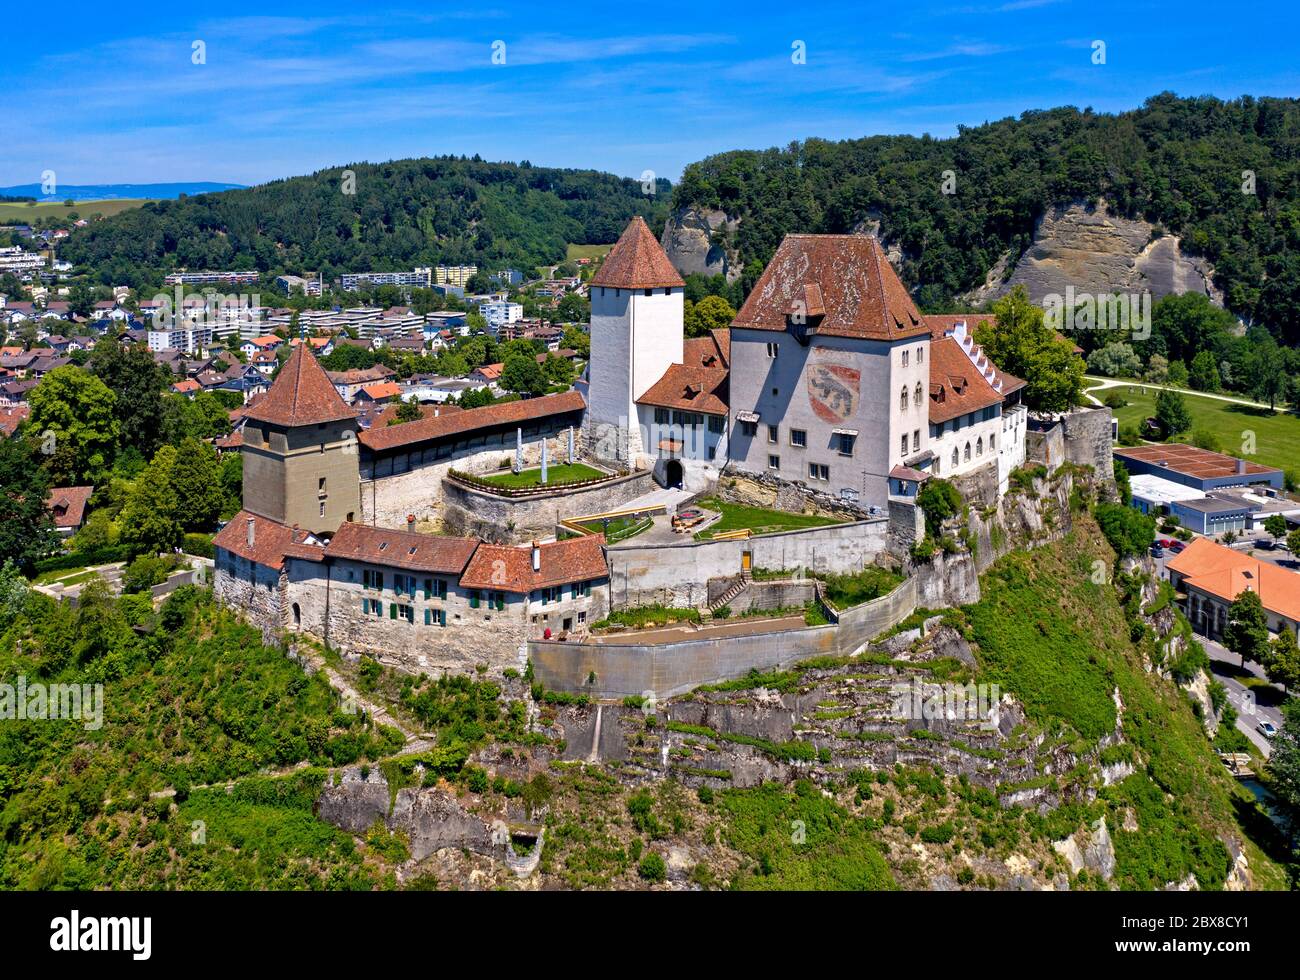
(67, 505)
(1210, 576)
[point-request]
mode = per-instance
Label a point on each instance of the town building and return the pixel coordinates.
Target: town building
(1209, 576)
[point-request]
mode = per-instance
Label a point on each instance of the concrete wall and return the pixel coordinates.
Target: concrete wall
(779, 594)
(472, 513)
(670, 669)
(678, 575)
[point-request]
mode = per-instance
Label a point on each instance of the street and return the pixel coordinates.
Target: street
(1225, 665)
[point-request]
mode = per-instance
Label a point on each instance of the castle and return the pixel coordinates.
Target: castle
(829, 382)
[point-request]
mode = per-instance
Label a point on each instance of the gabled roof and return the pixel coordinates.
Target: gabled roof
(700, 383)
(271, 539)
(443, 426)
(68, 505)
(957, 385)
(381, 389)
(401, 549)
(301, 395)
(637, 261)
(843, 284)
(1226, 573)
(503, 568)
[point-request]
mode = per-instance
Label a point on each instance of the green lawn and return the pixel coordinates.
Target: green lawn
(559, 473)
(13, 213)
(760, 520)
(620, 528)
(575, 252)
(1277, 434)
(66, 576)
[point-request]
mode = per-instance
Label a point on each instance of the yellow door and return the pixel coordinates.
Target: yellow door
(746, 560)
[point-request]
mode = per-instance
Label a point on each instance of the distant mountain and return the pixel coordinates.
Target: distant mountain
(386, 216)
(105, 192)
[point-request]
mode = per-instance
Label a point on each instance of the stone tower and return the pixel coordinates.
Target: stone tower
(301, 464)
(636, 333)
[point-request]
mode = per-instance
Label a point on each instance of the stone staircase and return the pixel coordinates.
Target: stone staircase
(726, 598)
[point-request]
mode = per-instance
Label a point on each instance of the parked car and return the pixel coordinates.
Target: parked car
(1157, 551)
(1177, 547)
(1267, 729)
(1166, 542)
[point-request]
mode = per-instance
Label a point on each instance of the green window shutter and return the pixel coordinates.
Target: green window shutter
(428, 588)
(392, 610)
(427, 617)
(473, 599)
(442, 617)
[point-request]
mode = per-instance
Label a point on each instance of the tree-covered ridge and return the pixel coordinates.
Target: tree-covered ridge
(404, 213)
(1177, 163)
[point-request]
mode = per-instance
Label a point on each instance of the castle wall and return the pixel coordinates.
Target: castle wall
(255, 590)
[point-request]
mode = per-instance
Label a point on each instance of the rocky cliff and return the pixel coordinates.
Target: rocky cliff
(1097, 251)
(690, 239)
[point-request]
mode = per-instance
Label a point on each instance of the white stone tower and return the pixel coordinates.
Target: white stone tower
(636, 333)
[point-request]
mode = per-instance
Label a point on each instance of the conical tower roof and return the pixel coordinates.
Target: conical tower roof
(301, 394)
(638, 261)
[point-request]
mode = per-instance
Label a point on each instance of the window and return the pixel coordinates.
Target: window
(773, 433)
(661, 416)
(320, 485)
(916, 395)
(916, 440)
(496, 600)
(991, 446)
(649, 292)
(920, 355)
(322, 508)
(798, 438)
(582, 617)
(904, 358)
(372, 607)
(774, 462)
(435, 588)
(405, 612)
(717, 424)
(772, 349)
(435, 617)
(749, 428)
(372, 580)
(845, 443)
(954, 455)
(581, 589)
(688, 418)
(475, 597)
(776, 392)
(404, 585)
(902, 400)
(713, 453)
(966, 453)
(819, 471)
(903, 445)
(979, 446)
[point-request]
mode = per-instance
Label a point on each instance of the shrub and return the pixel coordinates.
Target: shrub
(652, 867)
(939, 500)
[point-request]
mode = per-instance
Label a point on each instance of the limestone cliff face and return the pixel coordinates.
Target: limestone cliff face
(1097, 251)
(688, 240)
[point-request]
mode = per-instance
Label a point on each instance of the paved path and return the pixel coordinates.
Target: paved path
(1225, 666)
(1103, 383)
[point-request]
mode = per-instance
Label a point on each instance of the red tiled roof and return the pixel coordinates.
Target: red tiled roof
(68, 505)
(847, 277)
(401, 549)
(490, 371)
(1203, 464)
(382, 389)
(700, 382)
(181, 387)
(509, 569)
(11, 418)
(956, 385)
(301, 395)
(1226, 573)
(638, 261)
(503, 413)
(271, 539)
(360, 375)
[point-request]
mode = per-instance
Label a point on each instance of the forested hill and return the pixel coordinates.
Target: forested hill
(1175, 162)
(403, 214)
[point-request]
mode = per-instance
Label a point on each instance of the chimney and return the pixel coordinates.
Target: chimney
(410, 522)
(537, 557)
(1241, 466)
(252, 531)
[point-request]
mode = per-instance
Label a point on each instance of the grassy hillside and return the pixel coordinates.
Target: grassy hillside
(1062, 644)
(13, 213)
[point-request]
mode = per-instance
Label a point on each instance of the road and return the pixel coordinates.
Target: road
(1225, 666)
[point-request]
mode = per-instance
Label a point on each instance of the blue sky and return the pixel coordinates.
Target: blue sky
(110, 94)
